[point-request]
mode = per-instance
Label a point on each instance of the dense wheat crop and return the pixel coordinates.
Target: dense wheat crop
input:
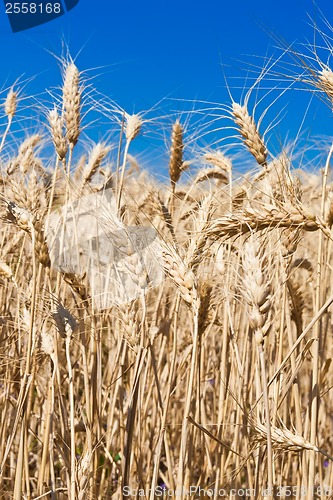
(153, 335)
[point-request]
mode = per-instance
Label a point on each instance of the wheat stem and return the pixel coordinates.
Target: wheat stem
(188, 401)
(315, 347)
(261, 354)
(72, 490)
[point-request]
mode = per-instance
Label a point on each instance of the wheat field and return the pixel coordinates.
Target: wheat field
(163, 338)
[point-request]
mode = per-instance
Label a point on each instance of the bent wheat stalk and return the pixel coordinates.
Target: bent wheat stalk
(10, 105)
(132, 126)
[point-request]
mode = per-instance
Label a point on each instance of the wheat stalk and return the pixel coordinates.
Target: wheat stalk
(133, 125)
(256, 289)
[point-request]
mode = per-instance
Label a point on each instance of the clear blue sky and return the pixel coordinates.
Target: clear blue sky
(148, 50)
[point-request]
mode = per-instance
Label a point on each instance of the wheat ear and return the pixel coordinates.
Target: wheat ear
(250, 133)
(96, 157)
(31, 225)
(72, 107)
(218, 159)
(176, 152)
(26, 159)
(11, 104)
(133, 124)
(176, 165)
(180, 274)
(57, 130)
(285, 439)
(221, 169)
(325, 77)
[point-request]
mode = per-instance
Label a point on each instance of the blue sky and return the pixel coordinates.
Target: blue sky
(142, 52)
